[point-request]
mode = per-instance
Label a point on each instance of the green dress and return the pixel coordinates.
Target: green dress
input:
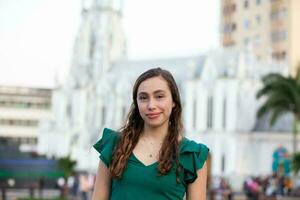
(140, 182)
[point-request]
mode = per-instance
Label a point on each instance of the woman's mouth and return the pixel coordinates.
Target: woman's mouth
(153, 115)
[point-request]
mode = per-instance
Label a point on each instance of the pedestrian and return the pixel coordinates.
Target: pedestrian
(41, 185)
(149, 158)
(272, 186)
(31, 190)
(85, 185)
(61, 186)
(251, 188)
(3, 189)
(224, 189)
(74, 186)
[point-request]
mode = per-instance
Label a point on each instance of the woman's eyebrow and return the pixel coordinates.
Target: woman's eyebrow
(158, 91)
(155, 92)
(142, 93)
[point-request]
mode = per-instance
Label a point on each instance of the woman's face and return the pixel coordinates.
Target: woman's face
(154, 101)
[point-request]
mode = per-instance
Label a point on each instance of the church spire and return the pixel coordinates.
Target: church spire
(100, 40)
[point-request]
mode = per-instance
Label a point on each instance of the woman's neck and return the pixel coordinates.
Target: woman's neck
(156, 133)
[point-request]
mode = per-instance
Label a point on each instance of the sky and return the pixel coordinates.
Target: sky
(37, 36)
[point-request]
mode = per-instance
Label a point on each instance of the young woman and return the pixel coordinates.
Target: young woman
(148, 158)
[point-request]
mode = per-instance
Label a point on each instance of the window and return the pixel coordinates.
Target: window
(228, 44)
(273, 15)
(274, 36)
(279, 36)
(223, 163)
(246, 4)
(282, 13)
(210, 112)
(258, 57)
(246, 42)
(226, 28)
(24, 104)
(280, 55)
(124, 112)
(103, 111)
(194, 113)
(224, 113)
(69, 110)
(228, 9)
(247, 23)
(278, 14)
(258, 19)
(283, 54)
(283, 35)
(258, 2)
(233, 27)
(257, 40)
(92, 44)
(18, 122)
(233, 7)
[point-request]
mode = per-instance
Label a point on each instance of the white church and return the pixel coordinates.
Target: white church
(218, 92)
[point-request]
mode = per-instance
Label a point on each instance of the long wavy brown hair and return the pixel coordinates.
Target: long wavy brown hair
(131, 131)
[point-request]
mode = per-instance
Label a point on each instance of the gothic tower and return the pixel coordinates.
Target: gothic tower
(100, 41)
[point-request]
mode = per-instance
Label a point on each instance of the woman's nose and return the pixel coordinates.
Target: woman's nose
(151, 104)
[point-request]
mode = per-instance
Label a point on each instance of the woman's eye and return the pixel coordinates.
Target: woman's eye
(142, 98)
(160, 96)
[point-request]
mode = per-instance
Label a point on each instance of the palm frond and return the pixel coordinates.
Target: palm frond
(277, 112)
(272, 78)
(275, 101)
(282, 87)
(272, 82)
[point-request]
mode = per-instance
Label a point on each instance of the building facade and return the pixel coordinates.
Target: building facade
(21, 110)
(268, 28)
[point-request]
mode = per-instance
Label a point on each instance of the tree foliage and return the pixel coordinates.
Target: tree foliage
(282, 96)
(67, 165)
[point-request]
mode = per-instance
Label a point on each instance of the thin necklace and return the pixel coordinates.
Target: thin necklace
(151, 147)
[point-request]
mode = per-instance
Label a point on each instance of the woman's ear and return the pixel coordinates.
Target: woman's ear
(173, 105)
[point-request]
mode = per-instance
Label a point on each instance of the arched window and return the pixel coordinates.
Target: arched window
(210, 112)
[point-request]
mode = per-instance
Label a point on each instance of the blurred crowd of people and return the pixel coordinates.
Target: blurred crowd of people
(221, 189)
(78, 186)
(270, 186)
(255, 188)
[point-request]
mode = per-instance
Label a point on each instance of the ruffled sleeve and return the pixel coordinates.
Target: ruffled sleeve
(105, 146)
(192, 158)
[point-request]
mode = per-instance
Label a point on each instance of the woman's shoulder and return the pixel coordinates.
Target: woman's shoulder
(191, 146)
(192, 158)
(108, 135)
(106, 144)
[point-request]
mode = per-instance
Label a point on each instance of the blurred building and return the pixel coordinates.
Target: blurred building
(218, 92)
(77, 106)
(21, 109)
(269, 28)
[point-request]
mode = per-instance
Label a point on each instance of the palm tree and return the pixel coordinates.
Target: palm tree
(67, 165)
(282, 96)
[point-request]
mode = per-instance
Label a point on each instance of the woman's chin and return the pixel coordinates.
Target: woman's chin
(154, 124)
